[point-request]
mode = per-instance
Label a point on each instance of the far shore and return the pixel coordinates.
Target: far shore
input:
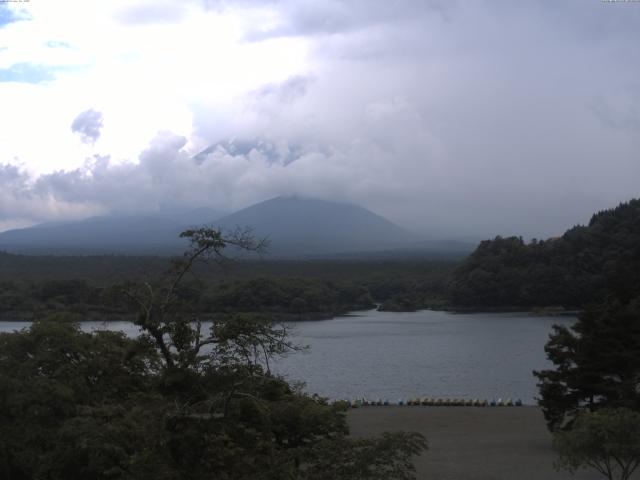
(472, 443)
(107, 317)
(531, 310)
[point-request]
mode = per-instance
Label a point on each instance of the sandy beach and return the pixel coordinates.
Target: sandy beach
(471, 443)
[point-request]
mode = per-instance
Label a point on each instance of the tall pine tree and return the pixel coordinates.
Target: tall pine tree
(597, 363)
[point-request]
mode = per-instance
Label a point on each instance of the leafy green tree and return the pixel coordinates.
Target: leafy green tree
(597, 363)
(176, 334)
(607, 440)
(177, 402)
(68, 398)
(376, 459)
(584, 265)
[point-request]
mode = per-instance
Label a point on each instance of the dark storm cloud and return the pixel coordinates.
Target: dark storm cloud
(11, 177)
(88, 125)
(308, 17)
(453, 118)
(14, 193)
(21, 203)
(166, 173)
(498, 117)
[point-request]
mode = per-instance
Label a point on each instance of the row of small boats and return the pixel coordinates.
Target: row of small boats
(436, 402)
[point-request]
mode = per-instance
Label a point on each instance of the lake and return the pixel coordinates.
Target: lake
(394, 355)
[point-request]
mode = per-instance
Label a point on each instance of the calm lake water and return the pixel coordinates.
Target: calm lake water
(393, 355)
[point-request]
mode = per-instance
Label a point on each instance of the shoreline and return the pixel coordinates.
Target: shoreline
(111, 316)
(531, 310)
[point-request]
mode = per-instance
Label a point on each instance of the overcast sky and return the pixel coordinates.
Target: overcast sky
(449, 117)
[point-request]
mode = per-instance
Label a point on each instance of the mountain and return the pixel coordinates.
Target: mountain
(298, 226)
(108, 234)
(295, 227)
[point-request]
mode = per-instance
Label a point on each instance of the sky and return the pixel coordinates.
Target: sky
(452, 118)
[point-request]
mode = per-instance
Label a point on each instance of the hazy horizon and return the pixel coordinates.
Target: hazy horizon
(452, 119)
(177, 212)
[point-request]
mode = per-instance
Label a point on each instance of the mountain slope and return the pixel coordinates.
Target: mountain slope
(305, 226)
(584, 265)
(294, 226)
(108, 234)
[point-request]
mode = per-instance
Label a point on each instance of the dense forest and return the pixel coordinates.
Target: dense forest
(294, 299)
(596, 360)
(249, 421)
(92, 287)
(584, 265)
(177, 402)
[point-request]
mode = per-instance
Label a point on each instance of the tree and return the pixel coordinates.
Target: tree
(177, 335)
(176, 402)
(597, 363)
(74, 404)
(375, 459)
(584, 265)
(607, 440)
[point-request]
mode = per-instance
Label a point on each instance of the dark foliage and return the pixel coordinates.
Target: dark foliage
(35, 287)
(597, 363)
(584, 265)
(293, 296)
(177, 402)
(607, 441)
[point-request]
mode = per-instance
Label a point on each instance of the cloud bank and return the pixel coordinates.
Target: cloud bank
(451, 118)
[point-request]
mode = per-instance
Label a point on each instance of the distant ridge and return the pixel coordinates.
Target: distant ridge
(297, 227)
(108, 234)
(306, 226)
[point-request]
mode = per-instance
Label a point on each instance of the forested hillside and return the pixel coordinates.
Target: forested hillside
(582, 266)
(91, 287)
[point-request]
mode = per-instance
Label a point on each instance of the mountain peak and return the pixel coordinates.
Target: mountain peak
(296, 225)
(299, 225)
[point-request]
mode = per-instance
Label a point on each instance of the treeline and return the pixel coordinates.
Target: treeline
(92, 287)
(301, 298)
(409, 292)
(298, 297)
(28, 301)
(286, 298)
(584, 265)
(101, 405)
(107, 269)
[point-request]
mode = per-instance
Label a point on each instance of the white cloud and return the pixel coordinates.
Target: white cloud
(143, 73)
(453, 116)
